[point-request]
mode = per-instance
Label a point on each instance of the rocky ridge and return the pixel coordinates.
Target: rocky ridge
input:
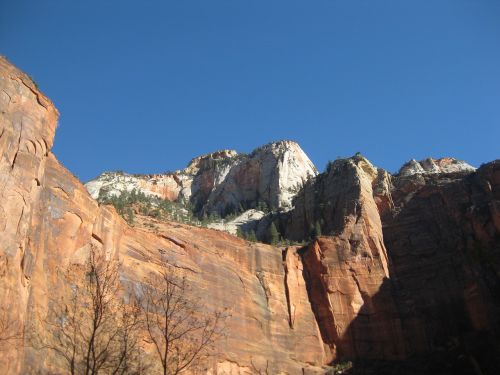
(222, 182)
(255, 189)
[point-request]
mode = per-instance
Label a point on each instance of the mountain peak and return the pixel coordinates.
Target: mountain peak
(203, 161)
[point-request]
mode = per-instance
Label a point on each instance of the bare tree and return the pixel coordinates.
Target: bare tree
(92, 329)
(129, 356)
(10, 330)
(258, 370)
(181, 332)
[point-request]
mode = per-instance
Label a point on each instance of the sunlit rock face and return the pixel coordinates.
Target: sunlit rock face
(345, 190)
(348, 269)
(27, 127)
(247, 221)
(273, 173)
(224, 181)
(48, 221)
(165, 186)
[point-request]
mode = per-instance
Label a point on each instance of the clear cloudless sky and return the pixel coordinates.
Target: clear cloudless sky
(144, 86)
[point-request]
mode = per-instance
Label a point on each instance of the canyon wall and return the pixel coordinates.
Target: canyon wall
(410, 263)
(405, 265)
(48, 222)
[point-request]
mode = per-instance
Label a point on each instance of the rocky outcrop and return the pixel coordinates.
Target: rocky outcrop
(346, 189)
(246, 222)
(224, 181)
(166, 186)
(348, 270)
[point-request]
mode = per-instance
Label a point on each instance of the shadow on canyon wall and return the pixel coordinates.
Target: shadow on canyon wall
(394, 343)
(439, 310)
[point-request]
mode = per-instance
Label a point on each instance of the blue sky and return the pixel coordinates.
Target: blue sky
(144, 86)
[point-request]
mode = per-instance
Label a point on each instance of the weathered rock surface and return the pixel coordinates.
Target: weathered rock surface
(247, 221)
(27, 126)
(223, 181)
(346, 188)
(444, 246)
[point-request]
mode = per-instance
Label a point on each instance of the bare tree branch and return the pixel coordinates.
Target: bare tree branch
(181, 331)
(259, 371)
(11, 332)
(91, 328)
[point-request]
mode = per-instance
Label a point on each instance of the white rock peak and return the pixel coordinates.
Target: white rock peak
(222, 180)
(435, 166)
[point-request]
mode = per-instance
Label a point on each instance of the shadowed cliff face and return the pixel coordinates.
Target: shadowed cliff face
(410, 264)
(445, 254)
(406, 264)
(444, 249)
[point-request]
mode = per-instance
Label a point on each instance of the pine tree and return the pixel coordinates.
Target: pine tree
(130, 215)
(251, 236)
(317, 229)
(274, 235)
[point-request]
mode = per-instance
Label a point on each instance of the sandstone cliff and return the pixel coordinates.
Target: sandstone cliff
(48, 221)
(410, 263)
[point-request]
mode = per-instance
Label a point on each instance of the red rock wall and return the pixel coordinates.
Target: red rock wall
(48, 221)
(348, 272)
(410, 264)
